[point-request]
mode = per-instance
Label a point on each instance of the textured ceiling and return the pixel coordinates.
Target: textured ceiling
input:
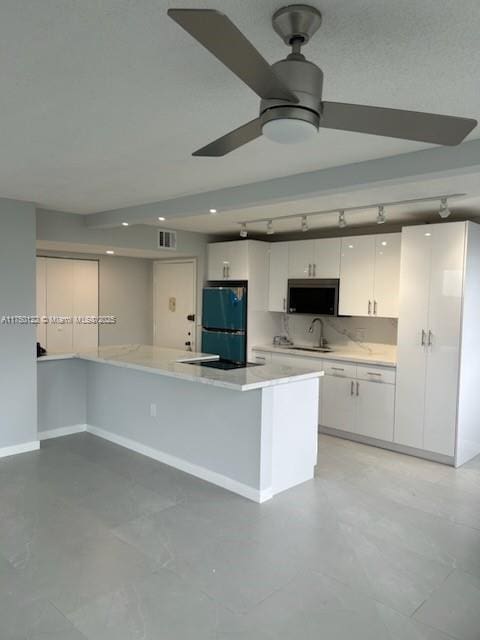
(102, 103)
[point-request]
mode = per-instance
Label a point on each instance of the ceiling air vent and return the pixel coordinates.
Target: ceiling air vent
(167, 239)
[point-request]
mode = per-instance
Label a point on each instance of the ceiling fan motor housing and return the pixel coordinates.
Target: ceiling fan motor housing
(305, 80)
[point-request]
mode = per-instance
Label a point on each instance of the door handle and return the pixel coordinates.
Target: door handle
(369, 307)
(224, 271)
(374, 307)
(352, 388)
(424, 336)
(309, 270)
(284, 304)
(430, 336)
(314, 270)
(358, 388)
(191, 317)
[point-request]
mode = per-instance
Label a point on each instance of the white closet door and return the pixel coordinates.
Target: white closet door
(445, 309)
(85, 303)
(278, 278)
(42, 299)
(387, 275)
(60, 304)
(415, 268)
(357, 268)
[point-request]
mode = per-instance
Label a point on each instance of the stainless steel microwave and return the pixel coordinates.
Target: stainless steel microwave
(317, 297)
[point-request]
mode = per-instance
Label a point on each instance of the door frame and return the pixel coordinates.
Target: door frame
(192, 261)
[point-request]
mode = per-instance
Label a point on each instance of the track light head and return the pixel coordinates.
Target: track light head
(270, 229)
(444, 211)
(304, 224)
(243, 231)
(342, 223)
(381, 219)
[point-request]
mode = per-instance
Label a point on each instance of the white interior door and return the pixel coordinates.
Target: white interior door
(415, 267)
(173, 302)
(85, 303)
(387, 275)
(445, 310)
(357, 270)
(60, 304)
(42, 300)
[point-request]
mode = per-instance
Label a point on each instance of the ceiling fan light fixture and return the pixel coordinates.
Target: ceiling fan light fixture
(381, 218)
(243, 231)
(342, 223)
(444, 210)
(289, 125)
(270, 229)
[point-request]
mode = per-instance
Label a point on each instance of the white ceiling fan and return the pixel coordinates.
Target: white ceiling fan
(291, 106)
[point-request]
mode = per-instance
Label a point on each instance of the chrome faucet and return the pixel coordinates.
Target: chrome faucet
(322, 342)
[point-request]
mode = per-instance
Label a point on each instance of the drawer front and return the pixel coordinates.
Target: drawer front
(297, 361)
(376, 374)
(262, 357)
(343, 369)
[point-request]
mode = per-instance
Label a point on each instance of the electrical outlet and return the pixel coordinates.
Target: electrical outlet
(153, 410)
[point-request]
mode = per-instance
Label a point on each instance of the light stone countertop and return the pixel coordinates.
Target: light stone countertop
(384, 357)
(171, 363)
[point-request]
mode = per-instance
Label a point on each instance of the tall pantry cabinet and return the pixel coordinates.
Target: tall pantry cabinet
(438, 368)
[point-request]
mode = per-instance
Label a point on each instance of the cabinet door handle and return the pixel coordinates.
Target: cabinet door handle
(309, 270)
(430, 336)
(284, 304)
(352, 388)
(337, 369)
(314, 270)
(374, 307)
(369, 307)
(228, 270)
(371, 373)
(358, 388)
(424, 336)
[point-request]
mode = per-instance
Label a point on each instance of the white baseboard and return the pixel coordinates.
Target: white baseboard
(193, 469)
(62, 431)
(19, 448)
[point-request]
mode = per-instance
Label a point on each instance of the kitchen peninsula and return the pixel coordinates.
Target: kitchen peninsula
(251, 430)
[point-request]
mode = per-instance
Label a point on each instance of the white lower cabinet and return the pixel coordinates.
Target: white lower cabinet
(337, 406)
(375, 409)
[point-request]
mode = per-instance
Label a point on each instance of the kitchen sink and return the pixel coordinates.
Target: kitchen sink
(316, 349)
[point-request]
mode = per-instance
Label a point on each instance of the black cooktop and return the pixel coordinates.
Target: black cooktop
(226, 365)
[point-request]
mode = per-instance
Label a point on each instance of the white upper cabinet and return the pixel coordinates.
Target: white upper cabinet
(301, 255)
(369, 275)
(326, 258)
(228, 260)
(357, 276)
(277, 294)
(387, 275)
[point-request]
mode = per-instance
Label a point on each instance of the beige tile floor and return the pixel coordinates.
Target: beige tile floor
(99, 543)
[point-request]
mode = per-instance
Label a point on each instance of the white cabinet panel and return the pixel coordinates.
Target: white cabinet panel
(60, 304)
(413, 319)
(42, 299)
(228, 260)
(337, 406)
(375, 405)
(357, 270)
(85, 303)
(277, 295)
(326, 258)
(445, 311)
(387, 275)
(301, 256)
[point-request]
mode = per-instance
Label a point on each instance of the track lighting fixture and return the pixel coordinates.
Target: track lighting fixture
(243, 231)
(381, 219)
(444, 211)
(270, 229)
(342, 223)
(304, 224)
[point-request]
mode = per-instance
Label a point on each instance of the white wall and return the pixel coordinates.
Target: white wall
(18, 392)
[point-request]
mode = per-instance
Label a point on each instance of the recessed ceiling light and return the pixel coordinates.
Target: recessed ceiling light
(212, 211)
(110, 252)
(124, 224)
(161, 218)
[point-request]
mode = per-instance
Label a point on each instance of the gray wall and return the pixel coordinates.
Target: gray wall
(18, 385)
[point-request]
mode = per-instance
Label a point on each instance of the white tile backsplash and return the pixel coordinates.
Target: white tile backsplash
(343, 331)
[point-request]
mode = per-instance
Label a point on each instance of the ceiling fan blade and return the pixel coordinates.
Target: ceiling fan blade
(396, 123)
(221, 37)
(231, 141)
